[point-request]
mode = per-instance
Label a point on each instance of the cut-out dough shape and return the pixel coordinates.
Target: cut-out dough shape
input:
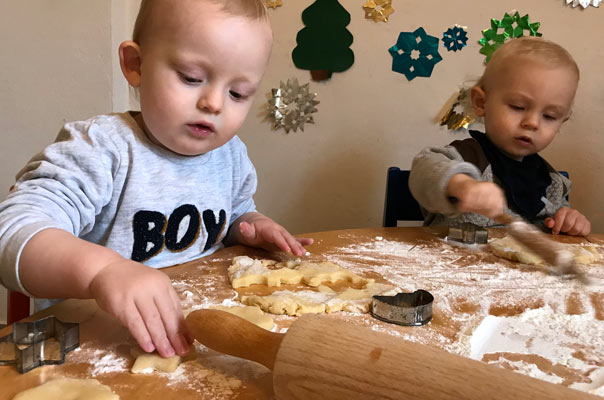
(246, 271)
(253, 314)
(323, 301)
(508, 248)
(69, 389)
(154, 362)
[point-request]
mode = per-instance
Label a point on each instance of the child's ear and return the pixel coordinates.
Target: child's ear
(130, 61)
(479, 98)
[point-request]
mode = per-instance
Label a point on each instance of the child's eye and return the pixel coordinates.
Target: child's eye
(237, 95)
(188, 79)
(550, 117)
(515, 107)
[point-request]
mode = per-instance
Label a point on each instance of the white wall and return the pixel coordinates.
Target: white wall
(333, 174)
(55, 67)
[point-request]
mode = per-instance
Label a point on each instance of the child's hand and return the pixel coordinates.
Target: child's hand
(258, 230)
(474, 196)
(569, 221)
(144, 301)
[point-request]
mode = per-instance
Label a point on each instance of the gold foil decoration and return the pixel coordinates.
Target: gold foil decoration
(378, 10)
(292, 105)
(460, 114)
(274, 3)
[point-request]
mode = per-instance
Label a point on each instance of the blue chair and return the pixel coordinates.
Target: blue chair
(399, 204)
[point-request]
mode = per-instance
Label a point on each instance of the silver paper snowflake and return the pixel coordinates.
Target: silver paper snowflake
(584, 3)
(292, 105)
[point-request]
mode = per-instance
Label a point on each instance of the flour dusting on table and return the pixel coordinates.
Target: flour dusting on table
(507, 314)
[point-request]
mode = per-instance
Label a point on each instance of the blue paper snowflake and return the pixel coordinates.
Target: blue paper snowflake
(415, 54)
(455, 38)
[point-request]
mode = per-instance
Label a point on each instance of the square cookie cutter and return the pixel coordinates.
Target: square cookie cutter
(467, 232)
(42, 342)
(409, 309)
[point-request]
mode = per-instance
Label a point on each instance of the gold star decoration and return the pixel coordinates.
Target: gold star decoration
(461, 114)
(274, 3)
(378, 10)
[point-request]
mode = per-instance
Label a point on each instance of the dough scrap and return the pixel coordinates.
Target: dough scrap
(154, 362)
(324, 300)
(69, 389)
(253, 314)
(246, 271)
(510, 249)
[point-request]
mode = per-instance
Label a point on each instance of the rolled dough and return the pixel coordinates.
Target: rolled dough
(324, 300)
(246, 271)
(69, 389)
(146, 362)
(510, 249)
(252, 314)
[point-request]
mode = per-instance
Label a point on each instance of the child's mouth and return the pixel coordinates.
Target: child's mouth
(525, 141)
(201, 129)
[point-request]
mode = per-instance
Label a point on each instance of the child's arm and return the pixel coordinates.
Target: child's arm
(257, 230)
(474, 196)
(569, 221)
(56, 264)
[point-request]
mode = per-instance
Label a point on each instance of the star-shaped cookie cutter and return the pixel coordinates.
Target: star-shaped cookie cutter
(41, 342)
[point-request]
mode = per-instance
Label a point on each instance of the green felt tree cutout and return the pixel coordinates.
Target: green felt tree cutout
(324, 43)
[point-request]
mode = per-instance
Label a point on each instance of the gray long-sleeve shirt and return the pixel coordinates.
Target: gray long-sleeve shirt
(104, 181)
(433, 167)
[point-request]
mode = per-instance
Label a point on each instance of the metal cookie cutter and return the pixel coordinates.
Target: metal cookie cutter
(42, 342)
(411, 309)
(468, 232)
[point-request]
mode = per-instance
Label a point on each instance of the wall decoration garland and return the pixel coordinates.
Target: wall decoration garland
(455, 38)
(324, 43)
(415, 54)
(510, 26)
(378, 10)
(292, 105)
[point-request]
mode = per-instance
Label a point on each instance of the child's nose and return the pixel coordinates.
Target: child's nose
(530, 121)
(211, 100)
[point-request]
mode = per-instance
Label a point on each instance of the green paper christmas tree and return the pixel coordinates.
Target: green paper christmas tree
(324, 43)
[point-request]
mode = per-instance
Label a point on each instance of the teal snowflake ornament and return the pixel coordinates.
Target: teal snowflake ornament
(415, 54)
(509, 27)
(455, 38)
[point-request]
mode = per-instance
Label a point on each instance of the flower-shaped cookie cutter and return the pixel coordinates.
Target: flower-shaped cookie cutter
(41, 342)
(410, 309)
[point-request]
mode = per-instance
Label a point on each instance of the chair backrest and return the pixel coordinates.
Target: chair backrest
(399, 204)
(17, 307)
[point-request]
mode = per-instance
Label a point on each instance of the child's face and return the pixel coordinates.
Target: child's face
(524, 105)
(200, 68)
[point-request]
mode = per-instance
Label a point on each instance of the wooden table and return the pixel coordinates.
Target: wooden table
(467, 282)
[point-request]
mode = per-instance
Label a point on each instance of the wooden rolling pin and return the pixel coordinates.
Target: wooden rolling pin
(321, 357)
(539, 243)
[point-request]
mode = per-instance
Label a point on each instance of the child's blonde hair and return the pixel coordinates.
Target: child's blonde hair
(253, 9)
(544, 50)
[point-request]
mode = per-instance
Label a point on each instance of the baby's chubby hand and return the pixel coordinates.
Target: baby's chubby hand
(258, 230)
(474, 196)
(145, 302)
(569, 221)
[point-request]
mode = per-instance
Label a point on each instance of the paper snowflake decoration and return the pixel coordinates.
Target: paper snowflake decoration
(510, 26)
(292, 105)
(455, 38)
(274, 3)
(584, 3)
(378, 10)
(461, 113)
(415, 54)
